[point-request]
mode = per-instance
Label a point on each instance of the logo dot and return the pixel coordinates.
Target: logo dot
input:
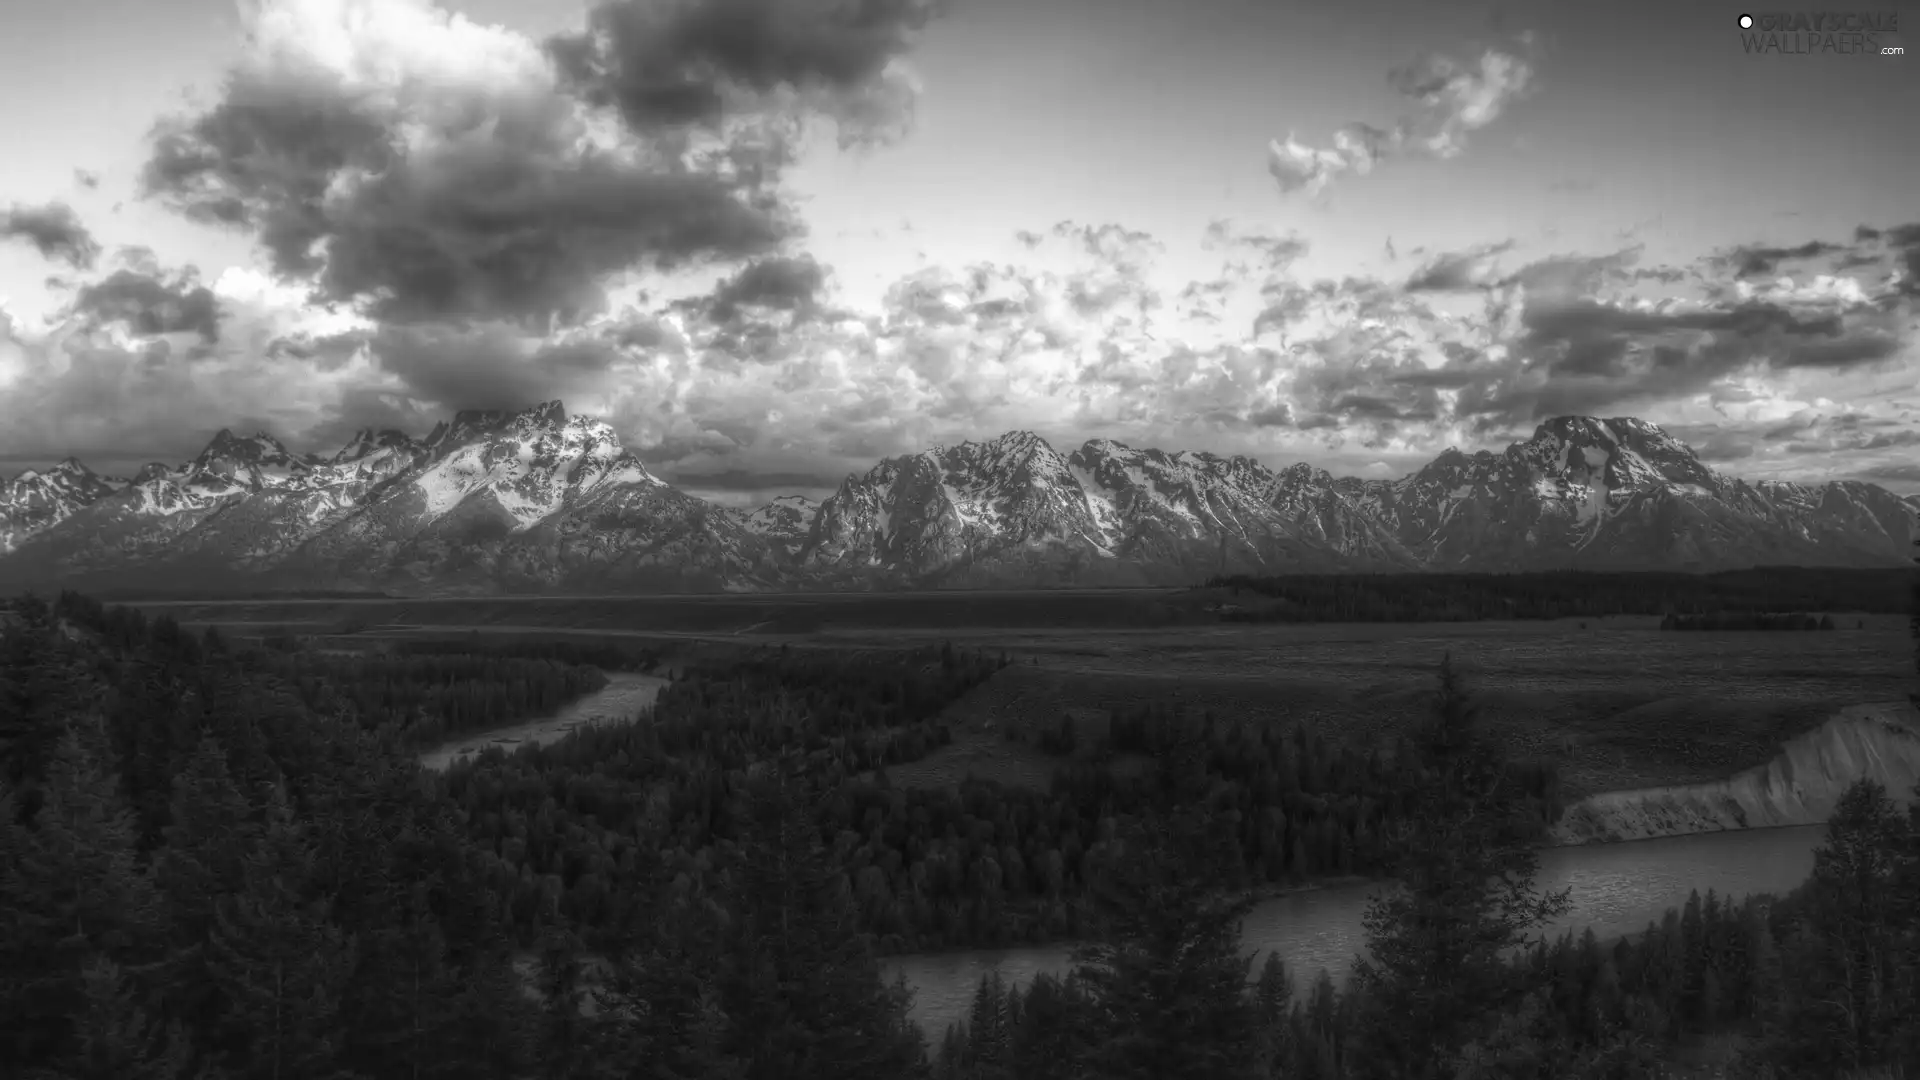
(1746, 22)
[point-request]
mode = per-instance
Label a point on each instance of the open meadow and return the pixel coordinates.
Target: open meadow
(1615, 701)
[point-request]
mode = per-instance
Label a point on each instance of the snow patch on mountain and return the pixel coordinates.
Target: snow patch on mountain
(536, 499)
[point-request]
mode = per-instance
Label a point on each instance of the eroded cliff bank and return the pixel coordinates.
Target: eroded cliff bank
(1798, 787)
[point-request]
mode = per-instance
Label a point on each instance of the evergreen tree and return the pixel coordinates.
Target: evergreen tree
(400, 1013)
(990, 1026)
(1273, 1001)
(950, 1062)
(799, 987)
(116, 1039)
(1849, 1013)
(204, 857)
(39, 690)
(660, 1010)
(279, 962)
(1765, 987)
(1165, 977)
(1046, 1039)
(491, 1019)
(1436, 978)
(562, 1046)
(72, 889)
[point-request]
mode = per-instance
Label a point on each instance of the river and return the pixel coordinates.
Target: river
(627, 694)
(1616, 889)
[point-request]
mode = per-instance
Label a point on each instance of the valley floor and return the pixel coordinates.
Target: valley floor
(1615, 702)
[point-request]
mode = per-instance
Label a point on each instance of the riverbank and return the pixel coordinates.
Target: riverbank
(1615, 889)
(1799, 786)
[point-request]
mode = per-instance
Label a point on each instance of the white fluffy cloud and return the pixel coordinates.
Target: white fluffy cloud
(767, 383)
(1447, 100)
(444, 209)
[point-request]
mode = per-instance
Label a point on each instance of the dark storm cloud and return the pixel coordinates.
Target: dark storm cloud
(153, 303)
(363, 408)
(54, 230)
(675, 63)
(1754, 261)
(1844, 432)
(480, 194)
(486, 366)
(327, 351)
(1584, 357)
(785, 283)
(1278, 415)
(521, 226)
(1369, 407)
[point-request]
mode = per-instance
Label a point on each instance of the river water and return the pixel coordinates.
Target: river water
(627, 694)
(1616, 889)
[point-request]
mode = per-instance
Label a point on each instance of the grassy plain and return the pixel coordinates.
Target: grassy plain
(1616, 701)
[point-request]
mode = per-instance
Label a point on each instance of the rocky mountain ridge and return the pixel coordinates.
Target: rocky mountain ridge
(540, 501)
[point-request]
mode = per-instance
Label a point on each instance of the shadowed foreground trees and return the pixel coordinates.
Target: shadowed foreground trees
(1436, 977)
(303, 903)
(1164, 979)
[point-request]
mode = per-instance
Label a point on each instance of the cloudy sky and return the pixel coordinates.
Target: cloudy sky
(772, 241)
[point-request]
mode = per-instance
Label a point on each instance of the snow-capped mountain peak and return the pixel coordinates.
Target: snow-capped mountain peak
(35, 500)
(543, 500)
(252, 462)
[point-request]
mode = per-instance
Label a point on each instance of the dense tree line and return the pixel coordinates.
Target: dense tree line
(423, 698)
(1558, 594)
(978, 865)
(610, 654)
(203, 876)
(305, 903)
(1823, 982)
(1748, 620)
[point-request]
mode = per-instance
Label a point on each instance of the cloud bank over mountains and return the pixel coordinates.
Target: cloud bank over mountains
(451, 215)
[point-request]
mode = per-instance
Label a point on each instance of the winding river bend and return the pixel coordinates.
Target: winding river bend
(626, 694)
(1616, 888)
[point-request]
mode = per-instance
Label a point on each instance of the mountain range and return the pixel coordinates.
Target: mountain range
(542, 502)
